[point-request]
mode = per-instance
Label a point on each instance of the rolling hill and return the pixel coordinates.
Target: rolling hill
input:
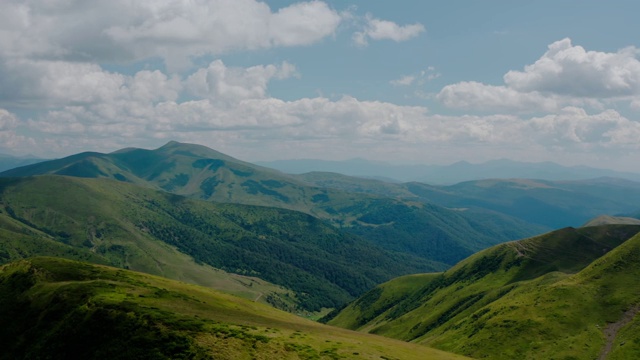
(59, 309)
(525, 205)
(419, 228)
(124, 225)
(572, 293)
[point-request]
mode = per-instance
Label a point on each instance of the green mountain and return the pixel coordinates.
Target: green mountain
(525, 206)
(497, 224)
(52, 308)
(568, 294)
(120, 224)
(419, 228)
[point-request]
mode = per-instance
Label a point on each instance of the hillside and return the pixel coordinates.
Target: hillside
(495, 222)
(550, 296)
(60, 309)
(124, 225)
(525, 205)
(419, 228)
(18, 241)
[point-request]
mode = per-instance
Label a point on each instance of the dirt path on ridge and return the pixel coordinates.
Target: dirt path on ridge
(611, 330)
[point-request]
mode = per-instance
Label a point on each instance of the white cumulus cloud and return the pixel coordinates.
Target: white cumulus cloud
(44, 83)
(9, 139)
(565, 75)
(8, 121)
(404, 81)
(377, 29)
(575, 127)
(218, 82)
(471, 95)
(570, 70)
(122, 30)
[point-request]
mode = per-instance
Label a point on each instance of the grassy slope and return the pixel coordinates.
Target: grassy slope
(195, 171)
(161, 233)
(19, 241)
(61, 309)
(544, 297)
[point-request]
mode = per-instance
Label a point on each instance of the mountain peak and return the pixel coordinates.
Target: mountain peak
(197, 150)
(171, 144)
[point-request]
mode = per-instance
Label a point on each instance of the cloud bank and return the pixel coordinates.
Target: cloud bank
(121, 30)
(62, 92)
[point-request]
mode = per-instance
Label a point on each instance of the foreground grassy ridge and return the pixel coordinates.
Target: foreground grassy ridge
(546, 297)
(61, 309)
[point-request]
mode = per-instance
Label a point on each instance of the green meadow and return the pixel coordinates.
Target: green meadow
(60, 309)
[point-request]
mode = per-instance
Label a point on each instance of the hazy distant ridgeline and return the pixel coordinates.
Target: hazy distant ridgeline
(509, 203)
(447, 174)
(8, 162)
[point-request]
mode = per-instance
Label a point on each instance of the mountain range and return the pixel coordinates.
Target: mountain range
(436, 266)
(448, 174)
(120, 224)
(419, 228)
(546, 204)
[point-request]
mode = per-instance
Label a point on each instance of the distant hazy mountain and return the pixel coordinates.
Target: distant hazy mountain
(448, 174)
(9, 162)
(507, 202)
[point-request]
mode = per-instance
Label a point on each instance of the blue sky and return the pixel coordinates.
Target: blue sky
(402, 81)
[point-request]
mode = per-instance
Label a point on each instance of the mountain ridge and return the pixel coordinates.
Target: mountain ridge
(550, 295)
(448, 174)
(61, 309)
(521, 203)
(121, 224)
(199, 172)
